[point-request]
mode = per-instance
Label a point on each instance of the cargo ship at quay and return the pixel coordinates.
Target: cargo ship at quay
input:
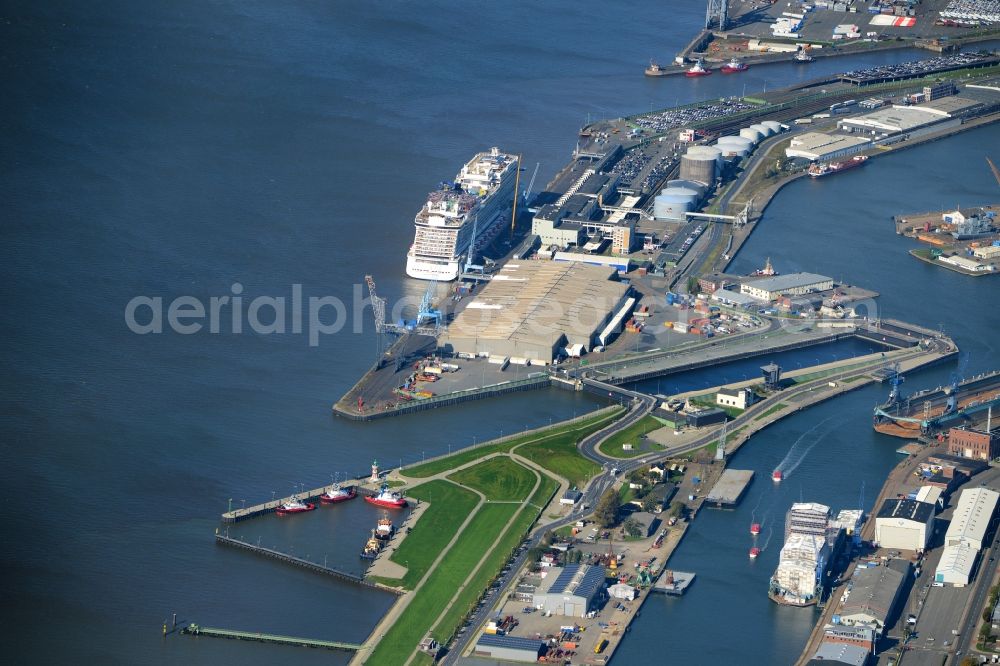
(462, 217)
(821, 170)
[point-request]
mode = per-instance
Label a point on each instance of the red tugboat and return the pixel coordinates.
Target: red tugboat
(734, 66)
(387, 499)
(777, 476)
(337, 494)
(754, 552)
(294, 505)
(821, 170)
(755, 529)
(698, 69)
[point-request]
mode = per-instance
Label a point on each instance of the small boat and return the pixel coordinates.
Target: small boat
(372, 548)
(755, 529)
(802, 56)
(734, 66)
(777, 476)
(698, 69)
(655, 69)
(754, 552)
(294, 505)
(338, 494)
(387, 499)
(385, 528)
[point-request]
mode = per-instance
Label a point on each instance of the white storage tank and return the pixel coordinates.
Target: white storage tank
(750, 133)
(764, 130)
(774, 125)
(689, 184)
(671, 206)
(737, 145)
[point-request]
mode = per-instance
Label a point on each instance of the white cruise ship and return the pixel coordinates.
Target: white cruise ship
(480, 199)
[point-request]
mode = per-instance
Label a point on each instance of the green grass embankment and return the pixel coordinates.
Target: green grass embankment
(632, 435)
(495, 560)
(580, 429)
(499, 479)
(425, 609)
(448, 507)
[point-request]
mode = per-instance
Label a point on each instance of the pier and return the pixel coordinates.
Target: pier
(195, 630)
(730, 487)
(674, 584)
(226, 540)
(243, 513)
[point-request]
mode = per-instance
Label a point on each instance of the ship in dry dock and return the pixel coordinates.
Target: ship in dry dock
(924, 411)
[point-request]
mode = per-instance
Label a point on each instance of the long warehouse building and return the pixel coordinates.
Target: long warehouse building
(533, 309)
(972, 517)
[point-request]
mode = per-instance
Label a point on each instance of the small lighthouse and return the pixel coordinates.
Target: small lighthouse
(374, 478)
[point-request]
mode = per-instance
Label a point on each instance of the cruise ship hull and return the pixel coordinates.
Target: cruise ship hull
(431, 270)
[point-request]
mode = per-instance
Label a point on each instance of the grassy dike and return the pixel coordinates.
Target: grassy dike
(515, 496)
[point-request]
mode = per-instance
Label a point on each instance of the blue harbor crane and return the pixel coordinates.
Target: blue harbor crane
(427, 312)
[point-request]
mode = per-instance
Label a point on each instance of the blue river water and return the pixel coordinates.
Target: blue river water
(178, 149)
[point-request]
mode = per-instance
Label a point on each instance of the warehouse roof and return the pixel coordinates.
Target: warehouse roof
(908, 509)
(873, 591)
(537, 302)
(972, 514)
(582, 580)
(791, 281)
(840, 653)
(514, 642)
(949, 106)
(959, 558)
(895, 118)
(859, 632)
(826, 143)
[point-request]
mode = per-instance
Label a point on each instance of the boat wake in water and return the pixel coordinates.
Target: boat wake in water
(802, 446)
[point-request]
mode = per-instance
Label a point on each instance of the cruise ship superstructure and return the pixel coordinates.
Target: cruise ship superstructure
(462, 217)
(812, 541)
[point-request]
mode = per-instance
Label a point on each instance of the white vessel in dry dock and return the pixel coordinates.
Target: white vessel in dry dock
(462, 217)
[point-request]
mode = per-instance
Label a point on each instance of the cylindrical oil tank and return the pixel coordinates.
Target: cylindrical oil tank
(750, 133)
(689, 184)
(693, 193)
(773, 124)
(735, 144)
(671, 206)
(764, 130)
(700, 168)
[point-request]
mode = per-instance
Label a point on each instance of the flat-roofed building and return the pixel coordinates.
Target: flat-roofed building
(972, 517)
(905, 524)
(820, 146)
(793, 284)
(509, 648)
(839, 653)
(533, 309)
(860, 636)
(975, 444)
(572, 591)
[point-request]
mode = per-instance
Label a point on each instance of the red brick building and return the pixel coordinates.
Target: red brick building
(975, 444)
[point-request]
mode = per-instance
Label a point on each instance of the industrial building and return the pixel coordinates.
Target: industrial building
(972, 517)
(956, 565)
(861, 636)
(622, 591)
(793, 284)
(509, 648)
(913, 120)
(874, 592)
(819, 146)
(975, 444)
(620, 264)
(839, 653)
(904, 524)
(704, 417)
(531, 310)
(572, 591)
(738, 398)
